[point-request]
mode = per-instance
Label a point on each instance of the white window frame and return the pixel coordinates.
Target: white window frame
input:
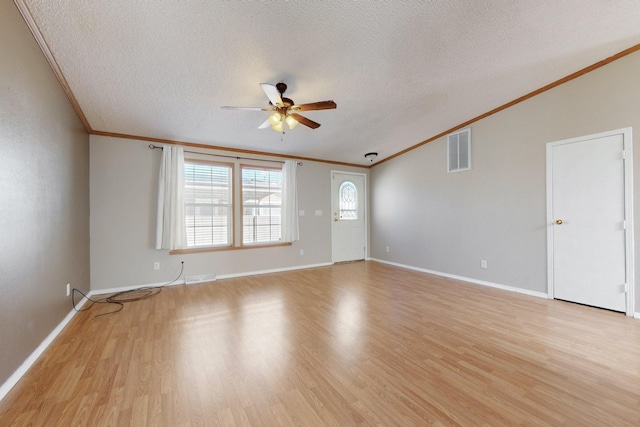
(259, 211)
(191, 236)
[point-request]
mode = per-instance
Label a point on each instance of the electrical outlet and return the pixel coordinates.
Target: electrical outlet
(301, 251)
(387, 249)
(68, 289)
(156, 265)
(483, 263)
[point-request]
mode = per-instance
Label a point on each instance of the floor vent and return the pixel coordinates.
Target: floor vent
(199, 279)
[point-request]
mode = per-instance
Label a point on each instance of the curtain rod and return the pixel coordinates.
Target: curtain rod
(228, 157)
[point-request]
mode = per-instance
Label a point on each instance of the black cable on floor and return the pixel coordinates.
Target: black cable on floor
(120, 298)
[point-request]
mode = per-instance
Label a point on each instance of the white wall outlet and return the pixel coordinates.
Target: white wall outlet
(301, 251)
(301, 212)
(483, 263)
(156, 265)
(386, 249)
(68, 289)
(318, 212)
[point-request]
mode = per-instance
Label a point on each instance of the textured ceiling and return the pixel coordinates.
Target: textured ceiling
(399, 71)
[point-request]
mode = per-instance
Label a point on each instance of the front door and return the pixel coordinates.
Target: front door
(348, 216)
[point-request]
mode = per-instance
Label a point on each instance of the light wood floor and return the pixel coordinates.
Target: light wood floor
(347, 345)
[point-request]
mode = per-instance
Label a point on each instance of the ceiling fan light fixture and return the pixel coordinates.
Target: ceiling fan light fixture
(274, 119)
(277, 127)
(291, 122)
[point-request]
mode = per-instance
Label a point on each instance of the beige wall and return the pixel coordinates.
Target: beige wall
(44, 195)
(497, 212)
(124, 177)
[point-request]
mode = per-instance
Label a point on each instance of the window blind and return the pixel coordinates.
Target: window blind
(208, 209)
(261, 205)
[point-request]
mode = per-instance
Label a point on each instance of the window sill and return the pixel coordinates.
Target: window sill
(225, 248)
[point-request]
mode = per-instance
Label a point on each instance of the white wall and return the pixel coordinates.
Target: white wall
(123, 218)
(449, 222)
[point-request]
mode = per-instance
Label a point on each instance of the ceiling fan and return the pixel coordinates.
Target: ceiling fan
(285, 110)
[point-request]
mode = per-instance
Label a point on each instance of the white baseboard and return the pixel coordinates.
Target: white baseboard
(275, 270)
(29, 361)
(218, 277)
(468, 279)
(133, 287)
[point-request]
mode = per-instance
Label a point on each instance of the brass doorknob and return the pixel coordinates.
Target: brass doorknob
(335, 219)
(558, 221)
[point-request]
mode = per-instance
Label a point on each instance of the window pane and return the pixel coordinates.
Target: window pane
(463, 151)
(453, 153)
(207, 204)
(261, 205)
(348, 201)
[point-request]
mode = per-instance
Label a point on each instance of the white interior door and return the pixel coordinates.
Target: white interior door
(587, 238)
(348, 216)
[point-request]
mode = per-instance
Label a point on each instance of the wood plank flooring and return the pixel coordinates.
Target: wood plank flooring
(348, 345)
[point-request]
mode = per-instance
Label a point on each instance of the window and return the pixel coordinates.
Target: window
(214, 221)
(207, 203)
(348, 201)
(261, 205)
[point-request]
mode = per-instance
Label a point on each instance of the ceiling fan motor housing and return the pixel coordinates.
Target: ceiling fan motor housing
(282, 87)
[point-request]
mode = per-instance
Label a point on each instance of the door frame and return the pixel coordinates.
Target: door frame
(627, 156)
(365, 210)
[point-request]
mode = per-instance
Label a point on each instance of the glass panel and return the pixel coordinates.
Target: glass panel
(207, 204)
(261, 205)
(348, 201)
(463, 151)
(453, 153)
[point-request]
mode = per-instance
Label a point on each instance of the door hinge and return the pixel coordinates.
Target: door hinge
(624, 154)
(626, 288)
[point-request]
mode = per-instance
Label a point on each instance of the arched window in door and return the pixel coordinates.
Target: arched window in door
(348, 201)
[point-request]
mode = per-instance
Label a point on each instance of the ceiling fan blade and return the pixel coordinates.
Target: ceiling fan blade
(226, 107)
(265, 125)
(272, 94)
(322, 105)
(305, 121)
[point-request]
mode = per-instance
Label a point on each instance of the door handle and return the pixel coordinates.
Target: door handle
(559, 221)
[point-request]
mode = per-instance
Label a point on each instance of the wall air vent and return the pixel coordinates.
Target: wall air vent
(459, 151)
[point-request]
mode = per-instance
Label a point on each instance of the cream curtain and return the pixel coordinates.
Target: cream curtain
(171, 230)
(290, 228)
